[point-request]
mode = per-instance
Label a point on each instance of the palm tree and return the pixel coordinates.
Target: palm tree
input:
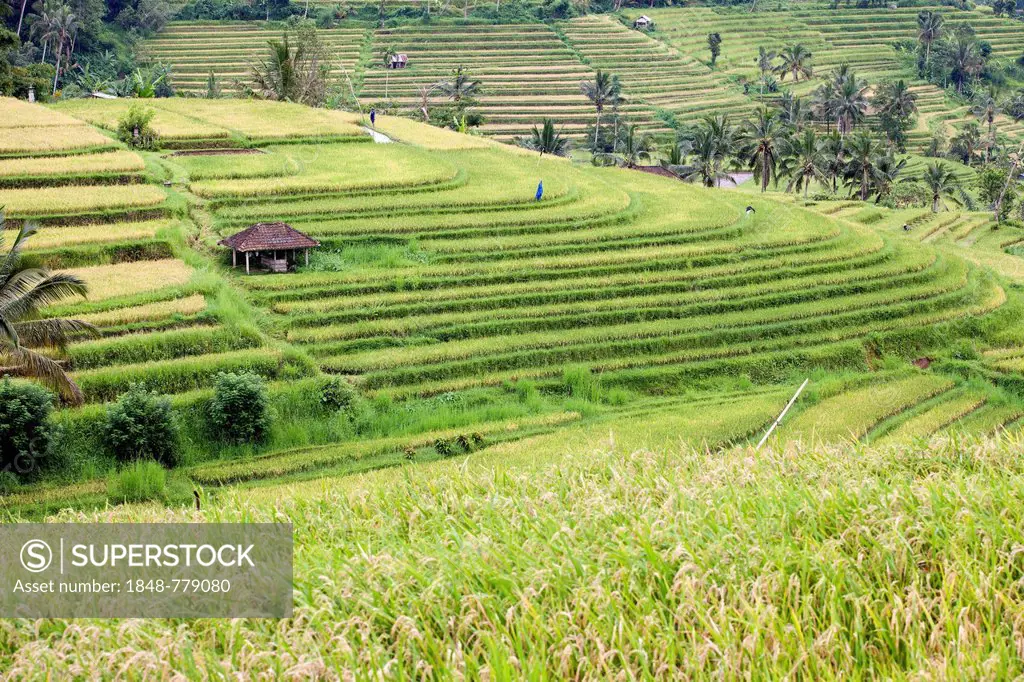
(460, 86)
(929, 29)
(765, 65)
(762, 139)
(987, 108)
(24, 291)
(724, 136)
(862, 168)
(634, 146)
(888, 172)
(389, 52)
(895, 104)
(833, 147)
(941, 182)
(804, 161)
(707, 159)
(547, 140)
(425, 92)
(796, 60)
(964, 60)
(965, 143)
(601, 91)
(850, 103)
(64, 25)
(792, 111)
(276, 77)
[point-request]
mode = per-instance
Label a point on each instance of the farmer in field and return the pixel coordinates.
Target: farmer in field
(540, 190)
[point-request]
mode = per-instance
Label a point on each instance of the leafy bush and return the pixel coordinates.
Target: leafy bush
(8, 482)
(336, 394)
(134, 128)
(443, 447)
(907, 195)
(140, 425)
(137, 482)
(239, 411)
(24, 426)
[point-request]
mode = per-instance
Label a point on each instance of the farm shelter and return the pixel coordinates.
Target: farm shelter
(274, 246)
(643, 22)
(398, 61)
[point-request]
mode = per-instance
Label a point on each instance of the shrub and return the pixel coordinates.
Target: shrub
(24, 426)
(137, 482)
(409, 453)
(140, 426)
(443, 447)
(337, 394)
(478, 439)
(134, 128)
(8, 482)
(239, 411)
(465, 443)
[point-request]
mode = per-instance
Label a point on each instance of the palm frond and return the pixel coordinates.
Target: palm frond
(46, 370)
(52, 332)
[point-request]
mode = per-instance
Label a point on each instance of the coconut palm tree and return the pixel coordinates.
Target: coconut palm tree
(987, 107)
(966, 142)
(24, 333)
(460, 86)
(895, 104)
(601, 92)
(634, 146)
(964, 60)
(762, 139)
(889, 170)
(862, 167)
(792, 111)
(765, 64)
(389, 52)
(725, 137)
(929, 29)
(850, 103)
(547, 140)
(707, 159)
(796, 61)
(64, 26)
(804, 161)
(941, 182)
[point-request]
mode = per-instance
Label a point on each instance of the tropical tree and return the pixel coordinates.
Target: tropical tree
(941, 183)
(804, 161)
(294, 75)
(706, 166)
(963, 60)
(715, 46)
(987, 107)
(792, 111)
(849, 103)
(634, 146)
(895, 104)
(762, 139)
(862, 170)
(725, 138)
(547, 140)
(389, 52)
(24, 333)
(460, 86)
(796, 61)
(63, 25)
(929, 29)
(601, 92)
(889, 170)
(965, 143)
(765, 61)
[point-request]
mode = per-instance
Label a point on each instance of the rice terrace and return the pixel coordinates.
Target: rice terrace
(567, 340)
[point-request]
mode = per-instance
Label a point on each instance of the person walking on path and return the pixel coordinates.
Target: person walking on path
(540, 190)
(373, 118)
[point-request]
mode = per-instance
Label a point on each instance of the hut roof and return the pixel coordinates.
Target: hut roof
(269, 237)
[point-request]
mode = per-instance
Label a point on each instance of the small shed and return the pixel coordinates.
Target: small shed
(398, 61)
(273, 246)
(644, 22)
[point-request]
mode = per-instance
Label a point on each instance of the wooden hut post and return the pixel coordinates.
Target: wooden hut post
(234, 259)
(307, 256)
(247, 262)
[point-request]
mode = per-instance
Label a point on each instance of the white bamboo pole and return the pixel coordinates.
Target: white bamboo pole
(779, 419)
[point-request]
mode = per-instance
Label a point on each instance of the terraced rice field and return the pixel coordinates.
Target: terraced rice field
(193, 49)
(654, 73)
(658, 283)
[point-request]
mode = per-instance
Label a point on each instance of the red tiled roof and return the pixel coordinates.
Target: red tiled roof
(269, 237)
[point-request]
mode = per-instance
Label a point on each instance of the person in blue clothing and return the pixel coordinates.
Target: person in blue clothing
(540, 190)
(373, 117)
